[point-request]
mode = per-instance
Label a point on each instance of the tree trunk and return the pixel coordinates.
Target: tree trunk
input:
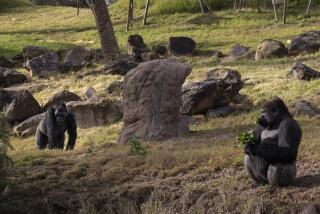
(235, 5)
(108, 39)
(130, 15)
(284, 19)
(201, 6)
(144, 21)
(308, 9)
(258, 6)
(275, 10)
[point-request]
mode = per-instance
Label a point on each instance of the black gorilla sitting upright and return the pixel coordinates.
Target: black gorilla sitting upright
(51, 129)
(272, 159)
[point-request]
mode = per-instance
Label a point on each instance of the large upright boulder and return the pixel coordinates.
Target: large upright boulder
(307, 42)
(219, 89)
(96, 112)
(181, 46)
(152, 101)
(9, 77)
(270, 49)
(44, 65)
(18, 105)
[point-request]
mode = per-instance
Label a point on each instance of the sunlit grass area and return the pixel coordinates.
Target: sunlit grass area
(177, 175)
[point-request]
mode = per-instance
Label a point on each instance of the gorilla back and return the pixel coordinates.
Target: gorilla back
(51, 129)
(272, 159)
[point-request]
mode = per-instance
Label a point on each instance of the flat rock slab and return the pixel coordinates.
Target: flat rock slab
(9, 77)
(96, 112)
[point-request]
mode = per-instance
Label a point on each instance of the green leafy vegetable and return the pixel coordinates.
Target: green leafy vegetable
(245, 138)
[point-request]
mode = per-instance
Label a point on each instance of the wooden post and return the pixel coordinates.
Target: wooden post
(284, 18)
(308, 9)
(144, 21)
(274, 10)
(130, 14)
(201, 6)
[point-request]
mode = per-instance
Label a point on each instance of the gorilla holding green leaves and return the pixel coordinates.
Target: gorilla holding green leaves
(272, 159)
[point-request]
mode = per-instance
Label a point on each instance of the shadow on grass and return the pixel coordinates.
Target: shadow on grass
(308, 181)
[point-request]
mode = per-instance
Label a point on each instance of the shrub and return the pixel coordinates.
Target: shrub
(137, 148)
(5, 129)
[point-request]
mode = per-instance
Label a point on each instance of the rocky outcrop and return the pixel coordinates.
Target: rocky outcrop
(218, 90)
(152, 101)
(115, 88)
(19, 105)
(181, 46)
(29, 52)
(96, 112)
(62, 97)
(307, 42)
(29, 126)
(302, 72)
(4, 62)
(270, 49)
(76, 58)
(306, 106)
(9, 77)
(120, 66)
(43, 65)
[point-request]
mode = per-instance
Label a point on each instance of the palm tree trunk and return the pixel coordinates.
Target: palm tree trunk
(108, 39)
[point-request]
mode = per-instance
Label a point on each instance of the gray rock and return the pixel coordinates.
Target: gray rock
(76, 58)
(96, 112)
(219, 112)
(44, 65)
(115, 88)
(19, 105)
(147, 56)
(97, 56)
(181, 46)
(219, 89)
(302, 72)
(152, 101)
(29, 52)
(271, 48)
(4, 62)
(307, 42)
(303, 108)
(120, 66)
(239, 52)
(29, 126)
(89, 92)
(62, 97)
(9, 77)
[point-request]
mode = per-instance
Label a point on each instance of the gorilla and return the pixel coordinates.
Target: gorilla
(272, 159)
(51, 129)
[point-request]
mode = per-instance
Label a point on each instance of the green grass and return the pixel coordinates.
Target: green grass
(206, 164)
(5, 4)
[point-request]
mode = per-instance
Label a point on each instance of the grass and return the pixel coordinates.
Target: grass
(187, 175)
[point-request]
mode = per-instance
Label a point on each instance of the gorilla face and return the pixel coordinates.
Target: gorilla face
(60, 113)
(273, 113)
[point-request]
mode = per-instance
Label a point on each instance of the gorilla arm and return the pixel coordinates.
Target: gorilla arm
(72, 131)
(281, 150)
(51, 127)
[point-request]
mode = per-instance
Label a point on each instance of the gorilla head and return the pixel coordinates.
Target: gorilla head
(60, 113)
(273, 112)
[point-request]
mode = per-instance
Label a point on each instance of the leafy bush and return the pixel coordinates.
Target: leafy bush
(246, 138)
(5, 128)
(137, 148)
